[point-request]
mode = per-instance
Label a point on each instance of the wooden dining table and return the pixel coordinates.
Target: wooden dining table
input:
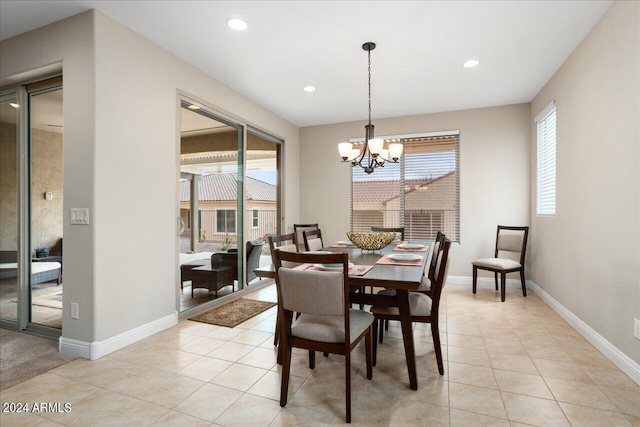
(401, 278)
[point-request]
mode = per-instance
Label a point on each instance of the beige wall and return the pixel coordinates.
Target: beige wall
(121, 159)
(494, 173)
(46, 175)
(46, 172)
(8, 188)
(587, 256)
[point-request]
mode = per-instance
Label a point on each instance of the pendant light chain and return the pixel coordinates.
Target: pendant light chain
(369, 52)
(364, 157)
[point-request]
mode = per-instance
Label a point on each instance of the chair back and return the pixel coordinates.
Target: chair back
(323, 293)
(298, 230)
(512, 239)
(440, 274)
(253, 252)
(397, 230)
(313, 240)
(437, 247)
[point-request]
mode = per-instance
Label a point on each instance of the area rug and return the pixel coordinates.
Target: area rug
(233, 313)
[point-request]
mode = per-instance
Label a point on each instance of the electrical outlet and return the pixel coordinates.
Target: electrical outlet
(74, 310)
(636, 329)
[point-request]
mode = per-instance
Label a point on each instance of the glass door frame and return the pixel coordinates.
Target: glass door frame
(243, 128)
(22, 94)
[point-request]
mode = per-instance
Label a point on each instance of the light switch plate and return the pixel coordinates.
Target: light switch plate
(79, 216)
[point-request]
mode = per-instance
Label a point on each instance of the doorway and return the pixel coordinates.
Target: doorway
(229, 202)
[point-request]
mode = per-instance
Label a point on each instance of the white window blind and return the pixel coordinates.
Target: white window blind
(547, 161)
(421, 193)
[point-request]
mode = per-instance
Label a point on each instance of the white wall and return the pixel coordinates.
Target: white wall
(494, 173)
(587, 256)
(123, 270)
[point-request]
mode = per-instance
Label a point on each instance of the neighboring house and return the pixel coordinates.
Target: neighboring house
(429, 205)
(217, 206)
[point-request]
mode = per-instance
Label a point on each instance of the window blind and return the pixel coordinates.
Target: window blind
(547, 161)
(421, 193)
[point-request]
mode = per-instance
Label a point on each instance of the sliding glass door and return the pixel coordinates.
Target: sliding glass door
(229, 203)
(31, 207)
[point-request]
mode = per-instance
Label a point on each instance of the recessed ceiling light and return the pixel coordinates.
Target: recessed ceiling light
(471, 63)
(237, 24)
(309, 89)
(193, 107)
(14, 105)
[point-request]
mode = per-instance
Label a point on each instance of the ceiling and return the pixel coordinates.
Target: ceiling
(416, 68)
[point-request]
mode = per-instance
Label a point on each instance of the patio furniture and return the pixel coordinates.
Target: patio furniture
(212, 278)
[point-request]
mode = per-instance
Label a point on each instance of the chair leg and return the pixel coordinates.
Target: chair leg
(312, 359)
(475, 278)
(524, 286)
(276, 336)
(495, 275)
(381, 330)
(436, 344)
(325, 354)
(503, 277)
(286, 368)
(347, 366)
(386, 325)
(367, 351)
(374, 325)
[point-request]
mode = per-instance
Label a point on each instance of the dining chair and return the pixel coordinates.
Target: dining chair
(312, 240)
(424, 309)
(427, 278)
(508, 239)
(298, 230)
(326, 323)
(397, 230)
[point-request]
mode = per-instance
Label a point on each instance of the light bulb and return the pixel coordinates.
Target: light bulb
(345, 149)
(375, 146)
(395, 151)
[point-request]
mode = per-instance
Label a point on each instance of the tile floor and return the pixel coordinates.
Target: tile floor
(514, 363)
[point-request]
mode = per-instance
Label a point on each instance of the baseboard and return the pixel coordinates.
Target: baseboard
(74, 347)
(98, 349)
(468, 280)
(611, 352)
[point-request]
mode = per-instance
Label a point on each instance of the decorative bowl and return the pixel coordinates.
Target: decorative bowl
(371, 240)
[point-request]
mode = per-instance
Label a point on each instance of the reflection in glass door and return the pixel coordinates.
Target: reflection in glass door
(9, 178)
(46, 142)
(262, 204)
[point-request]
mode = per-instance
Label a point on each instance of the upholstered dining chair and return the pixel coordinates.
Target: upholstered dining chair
(313, 240)
(508, 239)
(326, 323)
(298, 230)
(424, 309)
(427, 278)
(399, 230)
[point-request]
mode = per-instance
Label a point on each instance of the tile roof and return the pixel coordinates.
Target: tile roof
(383, 191)
(224, 186)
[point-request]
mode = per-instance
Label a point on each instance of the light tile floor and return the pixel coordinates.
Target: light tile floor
(514, 363)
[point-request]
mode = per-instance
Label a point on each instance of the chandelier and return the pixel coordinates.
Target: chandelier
(373, 154)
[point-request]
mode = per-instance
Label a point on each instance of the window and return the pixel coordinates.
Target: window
(226, 221)
(255, 218)
(546, 121)
(420, 193)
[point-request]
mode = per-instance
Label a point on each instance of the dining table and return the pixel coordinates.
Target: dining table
(401, 278)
